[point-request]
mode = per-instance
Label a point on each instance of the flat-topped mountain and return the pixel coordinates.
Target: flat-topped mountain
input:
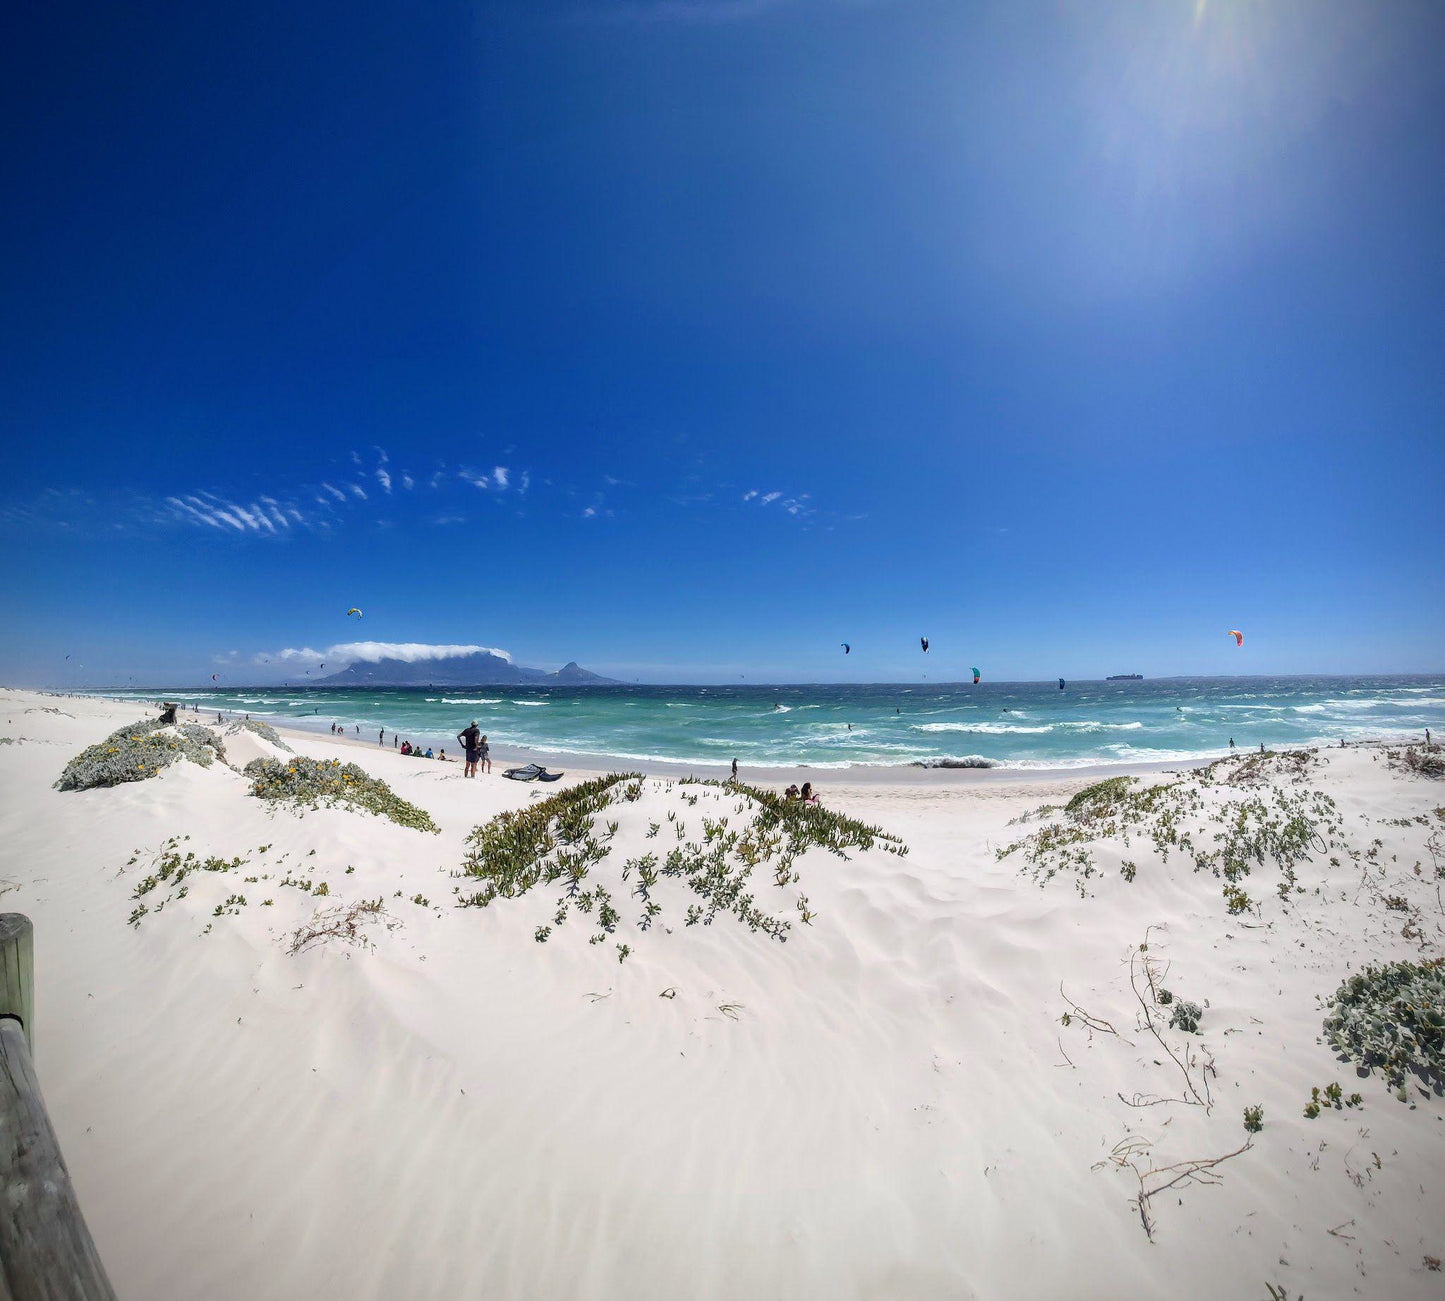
(482, 669)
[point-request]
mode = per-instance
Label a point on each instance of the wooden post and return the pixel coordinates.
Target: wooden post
(46, 1252)
(17, 972)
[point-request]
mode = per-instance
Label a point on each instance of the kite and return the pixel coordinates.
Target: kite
(847, 649)
(923, 641)
(1061, 684)
(354, 611)
(67, 657)
(1237, 635)
(214, 678)
(976, 676)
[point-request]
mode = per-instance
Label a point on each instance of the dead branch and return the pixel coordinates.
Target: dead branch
(1192, 1094)
(342, 922)
(1092, 1022)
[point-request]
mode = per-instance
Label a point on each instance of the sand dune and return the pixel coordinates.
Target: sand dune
(886, 1105)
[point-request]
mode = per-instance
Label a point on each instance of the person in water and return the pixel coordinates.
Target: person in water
(470, 739)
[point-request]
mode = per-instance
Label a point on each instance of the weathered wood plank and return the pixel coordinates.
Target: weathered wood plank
(46, 1252)
(17, 972)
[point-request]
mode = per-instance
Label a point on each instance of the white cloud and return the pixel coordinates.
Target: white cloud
(265, 516)
(335, 492)
(768, 498)
(476, 480)
(383, 478)
(408, 482)
(590, 512)
(358, 490)
(368, 652)
(499, 473)
(750, 494)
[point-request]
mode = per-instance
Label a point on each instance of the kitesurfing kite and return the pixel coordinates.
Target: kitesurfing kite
(354, 611)
(214, 678)
(847, 649)
(1061, 684)
(976, 677)
(1237, 635)
(923, 641)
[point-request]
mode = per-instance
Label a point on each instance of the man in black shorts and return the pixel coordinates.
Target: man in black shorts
(471, 742)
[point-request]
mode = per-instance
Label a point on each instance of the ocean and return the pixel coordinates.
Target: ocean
(1007, 724)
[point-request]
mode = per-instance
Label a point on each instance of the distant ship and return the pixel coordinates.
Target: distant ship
(1125, 677)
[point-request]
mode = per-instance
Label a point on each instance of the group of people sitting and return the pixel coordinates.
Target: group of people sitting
(417, 752)
(805, 794)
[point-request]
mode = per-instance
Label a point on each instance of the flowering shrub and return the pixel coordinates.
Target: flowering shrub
(314, 783)
(1393, 1017)
(264, 730)
(140, 750)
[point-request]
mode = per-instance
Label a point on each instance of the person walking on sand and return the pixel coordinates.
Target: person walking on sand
(735, 770)
(470, 739)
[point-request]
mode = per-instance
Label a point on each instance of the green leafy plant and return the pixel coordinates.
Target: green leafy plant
(1391, 1018)
(139, 751)
(304, 783)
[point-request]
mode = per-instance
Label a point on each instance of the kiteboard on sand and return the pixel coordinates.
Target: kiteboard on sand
(532, 773)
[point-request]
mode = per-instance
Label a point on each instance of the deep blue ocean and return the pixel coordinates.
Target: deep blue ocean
(1018, 724)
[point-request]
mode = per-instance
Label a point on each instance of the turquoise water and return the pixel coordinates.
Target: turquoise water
(1019, 725)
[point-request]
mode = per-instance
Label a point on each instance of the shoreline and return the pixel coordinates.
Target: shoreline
(909, 775)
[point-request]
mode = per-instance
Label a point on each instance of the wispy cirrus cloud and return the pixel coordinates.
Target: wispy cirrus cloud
(800, 506)
(263, 515)
(499, 479)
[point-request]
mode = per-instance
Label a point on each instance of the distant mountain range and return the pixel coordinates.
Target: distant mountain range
(480, 670)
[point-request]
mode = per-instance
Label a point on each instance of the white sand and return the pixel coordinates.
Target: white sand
(883, 1110)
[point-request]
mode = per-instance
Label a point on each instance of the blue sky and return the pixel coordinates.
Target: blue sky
(691, 338)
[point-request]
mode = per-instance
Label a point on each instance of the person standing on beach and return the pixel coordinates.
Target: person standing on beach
(735, 770)
(484, 752)
(470, 740)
